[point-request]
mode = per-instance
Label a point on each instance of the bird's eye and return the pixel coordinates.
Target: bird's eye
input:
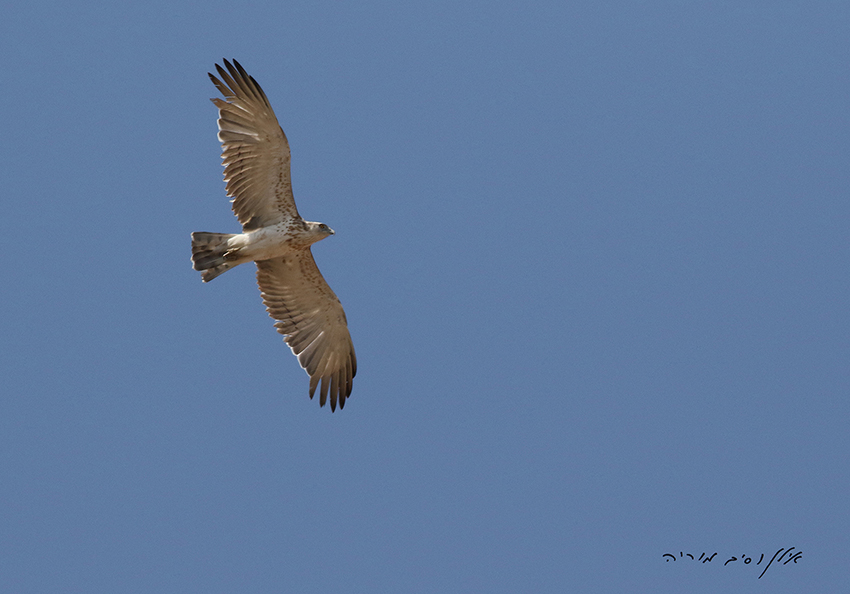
(323, 227)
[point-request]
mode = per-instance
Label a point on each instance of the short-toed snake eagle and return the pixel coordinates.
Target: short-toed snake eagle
(255, 154)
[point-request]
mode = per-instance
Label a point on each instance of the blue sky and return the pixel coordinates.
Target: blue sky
(594, 260)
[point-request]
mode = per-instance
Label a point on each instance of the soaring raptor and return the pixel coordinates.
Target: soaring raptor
(255, 154)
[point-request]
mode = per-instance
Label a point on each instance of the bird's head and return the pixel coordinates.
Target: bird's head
(318, 231)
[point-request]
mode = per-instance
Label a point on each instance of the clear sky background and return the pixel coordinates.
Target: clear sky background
(594, 257)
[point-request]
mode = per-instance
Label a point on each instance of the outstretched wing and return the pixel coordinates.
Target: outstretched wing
(309, 315)
(255, 151)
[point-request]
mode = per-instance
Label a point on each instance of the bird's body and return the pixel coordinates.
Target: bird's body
(255, 153)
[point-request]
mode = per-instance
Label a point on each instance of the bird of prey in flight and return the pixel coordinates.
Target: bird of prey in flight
(255, 154)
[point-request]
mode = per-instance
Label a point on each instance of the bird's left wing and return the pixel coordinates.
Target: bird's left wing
(311, 318)
(255, 151)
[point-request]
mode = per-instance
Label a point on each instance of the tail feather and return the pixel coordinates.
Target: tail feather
(208, 254)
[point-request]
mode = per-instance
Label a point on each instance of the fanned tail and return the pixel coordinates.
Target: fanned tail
(208, 254)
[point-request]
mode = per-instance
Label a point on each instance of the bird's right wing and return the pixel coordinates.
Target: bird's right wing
(255, 152)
